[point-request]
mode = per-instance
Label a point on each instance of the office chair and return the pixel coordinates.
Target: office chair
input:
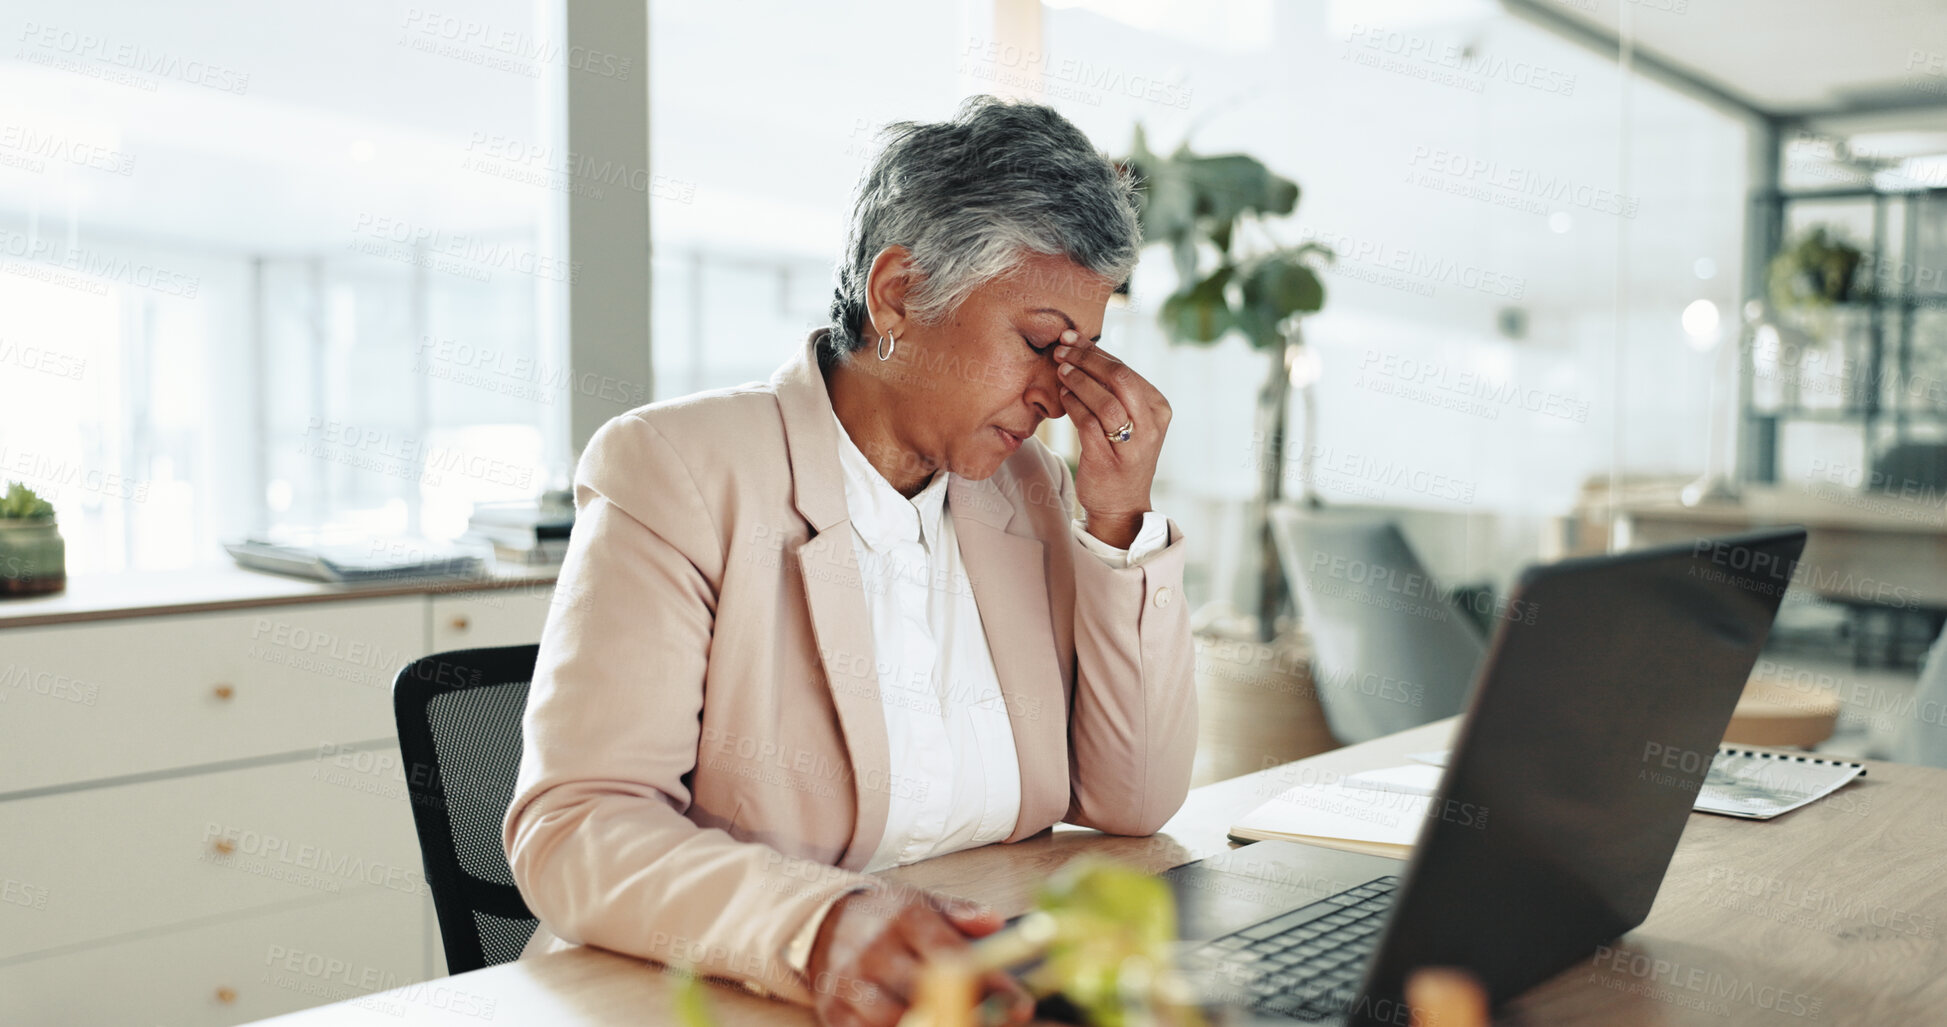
(1389, 649)
(459, 719)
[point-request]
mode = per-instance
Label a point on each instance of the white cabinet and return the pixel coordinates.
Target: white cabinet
(108, 698)
(144, 856)
(471, 620)
(187, 800)
(273, 961)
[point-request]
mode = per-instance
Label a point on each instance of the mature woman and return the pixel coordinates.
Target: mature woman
(845, 620)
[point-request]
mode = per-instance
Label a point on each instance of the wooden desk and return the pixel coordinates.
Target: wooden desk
(1832, 914)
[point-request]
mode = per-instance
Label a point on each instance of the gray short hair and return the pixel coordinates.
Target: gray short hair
(971, 197)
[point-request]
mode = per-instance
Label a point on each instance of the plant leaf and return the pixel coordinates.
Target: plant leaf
(1199, 313)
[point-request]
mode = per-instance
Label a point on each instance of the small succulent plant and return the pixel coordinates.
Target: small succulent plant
(21, 502)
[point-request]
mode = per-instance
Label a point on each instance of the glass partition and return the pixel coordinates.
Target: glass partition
(288, 270)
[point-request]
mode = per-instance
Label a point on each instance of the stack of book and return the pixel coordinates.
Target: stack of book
(526, 532)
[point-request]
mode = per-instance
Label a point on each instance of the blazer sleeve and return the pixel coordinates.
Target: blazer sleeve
(1132, 722)
(596, 833)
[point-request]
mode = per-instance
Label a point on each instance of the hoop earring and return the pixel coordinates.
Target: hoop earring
(887, 343)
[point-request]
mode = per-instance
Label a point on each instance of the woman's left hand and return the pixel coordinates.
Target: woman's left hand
(1101, 394)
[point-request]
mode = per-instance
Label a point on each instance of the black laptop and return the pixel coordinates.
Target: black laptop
(1547, 837)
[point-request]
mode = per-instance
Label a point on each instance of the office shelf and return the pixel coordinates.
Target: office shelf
(1874, 363)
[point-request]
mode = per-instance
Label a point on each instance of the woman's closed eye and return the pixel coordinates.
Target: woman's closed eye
(1042, 350)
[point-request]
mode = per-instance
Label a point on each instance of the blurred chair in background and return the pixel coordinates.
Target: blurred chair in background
(1923, 739)
(1390, 650)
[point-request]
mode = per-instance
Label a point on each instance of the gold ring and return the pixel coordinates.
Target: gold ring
(1122, 434)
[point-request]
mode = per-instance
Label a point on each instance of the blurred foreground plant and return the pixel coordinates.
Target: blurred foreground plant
(692, 1009)
(1105, 935)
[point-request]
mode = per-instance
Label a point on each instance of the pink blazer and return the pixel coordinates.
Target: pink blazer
(705, 758)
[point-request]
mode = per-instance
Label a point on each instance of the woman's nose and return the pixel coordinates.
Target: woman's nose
(1044, 392)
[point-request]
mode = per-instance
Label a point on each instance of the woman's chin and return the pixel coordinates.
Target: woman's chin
(982, 462)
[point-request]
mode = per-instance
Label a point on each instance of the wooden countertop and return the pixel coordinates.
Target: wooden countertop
(224, 586)
(1831, 507)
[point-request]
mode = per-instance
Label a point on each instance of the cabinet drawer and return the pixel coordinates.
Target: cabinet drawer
(238, 970)
(90, 865)
(473, 620)
(88, 701)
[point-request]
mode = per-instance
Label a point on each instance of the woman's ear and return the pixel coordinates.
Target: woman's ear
(886, 286)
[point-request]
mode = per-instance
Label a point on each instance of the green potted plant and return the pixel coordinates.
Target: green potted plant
(1809, 282)
(1817, 271)
(1257, 700)
(1202, 208)
(33, 559)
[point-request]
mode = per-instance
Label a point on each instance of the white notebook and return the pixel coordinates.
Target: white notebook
(1760, 785)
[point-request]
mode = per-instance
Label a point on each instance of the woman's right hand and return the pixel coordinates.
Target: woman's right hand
(866, 960)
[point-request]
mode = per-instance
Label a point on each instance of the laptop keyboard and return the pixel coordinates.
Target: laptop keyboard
(1306, 963)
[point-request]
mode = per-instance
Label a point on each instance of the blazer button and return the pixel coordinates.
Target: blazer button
(1163, 596)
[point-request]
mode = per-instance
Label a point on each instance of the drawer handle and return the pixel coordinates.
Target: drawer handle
(226, 995)
(460, 623)
(224, 691)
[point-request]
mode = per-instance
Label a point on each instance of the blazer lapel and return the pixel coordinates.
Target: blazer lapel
(834, 592)
(843, 627)
(1010, 589)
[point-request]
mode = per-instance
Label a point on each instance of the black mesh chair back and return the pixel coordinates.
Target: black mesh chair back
(460, 736)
